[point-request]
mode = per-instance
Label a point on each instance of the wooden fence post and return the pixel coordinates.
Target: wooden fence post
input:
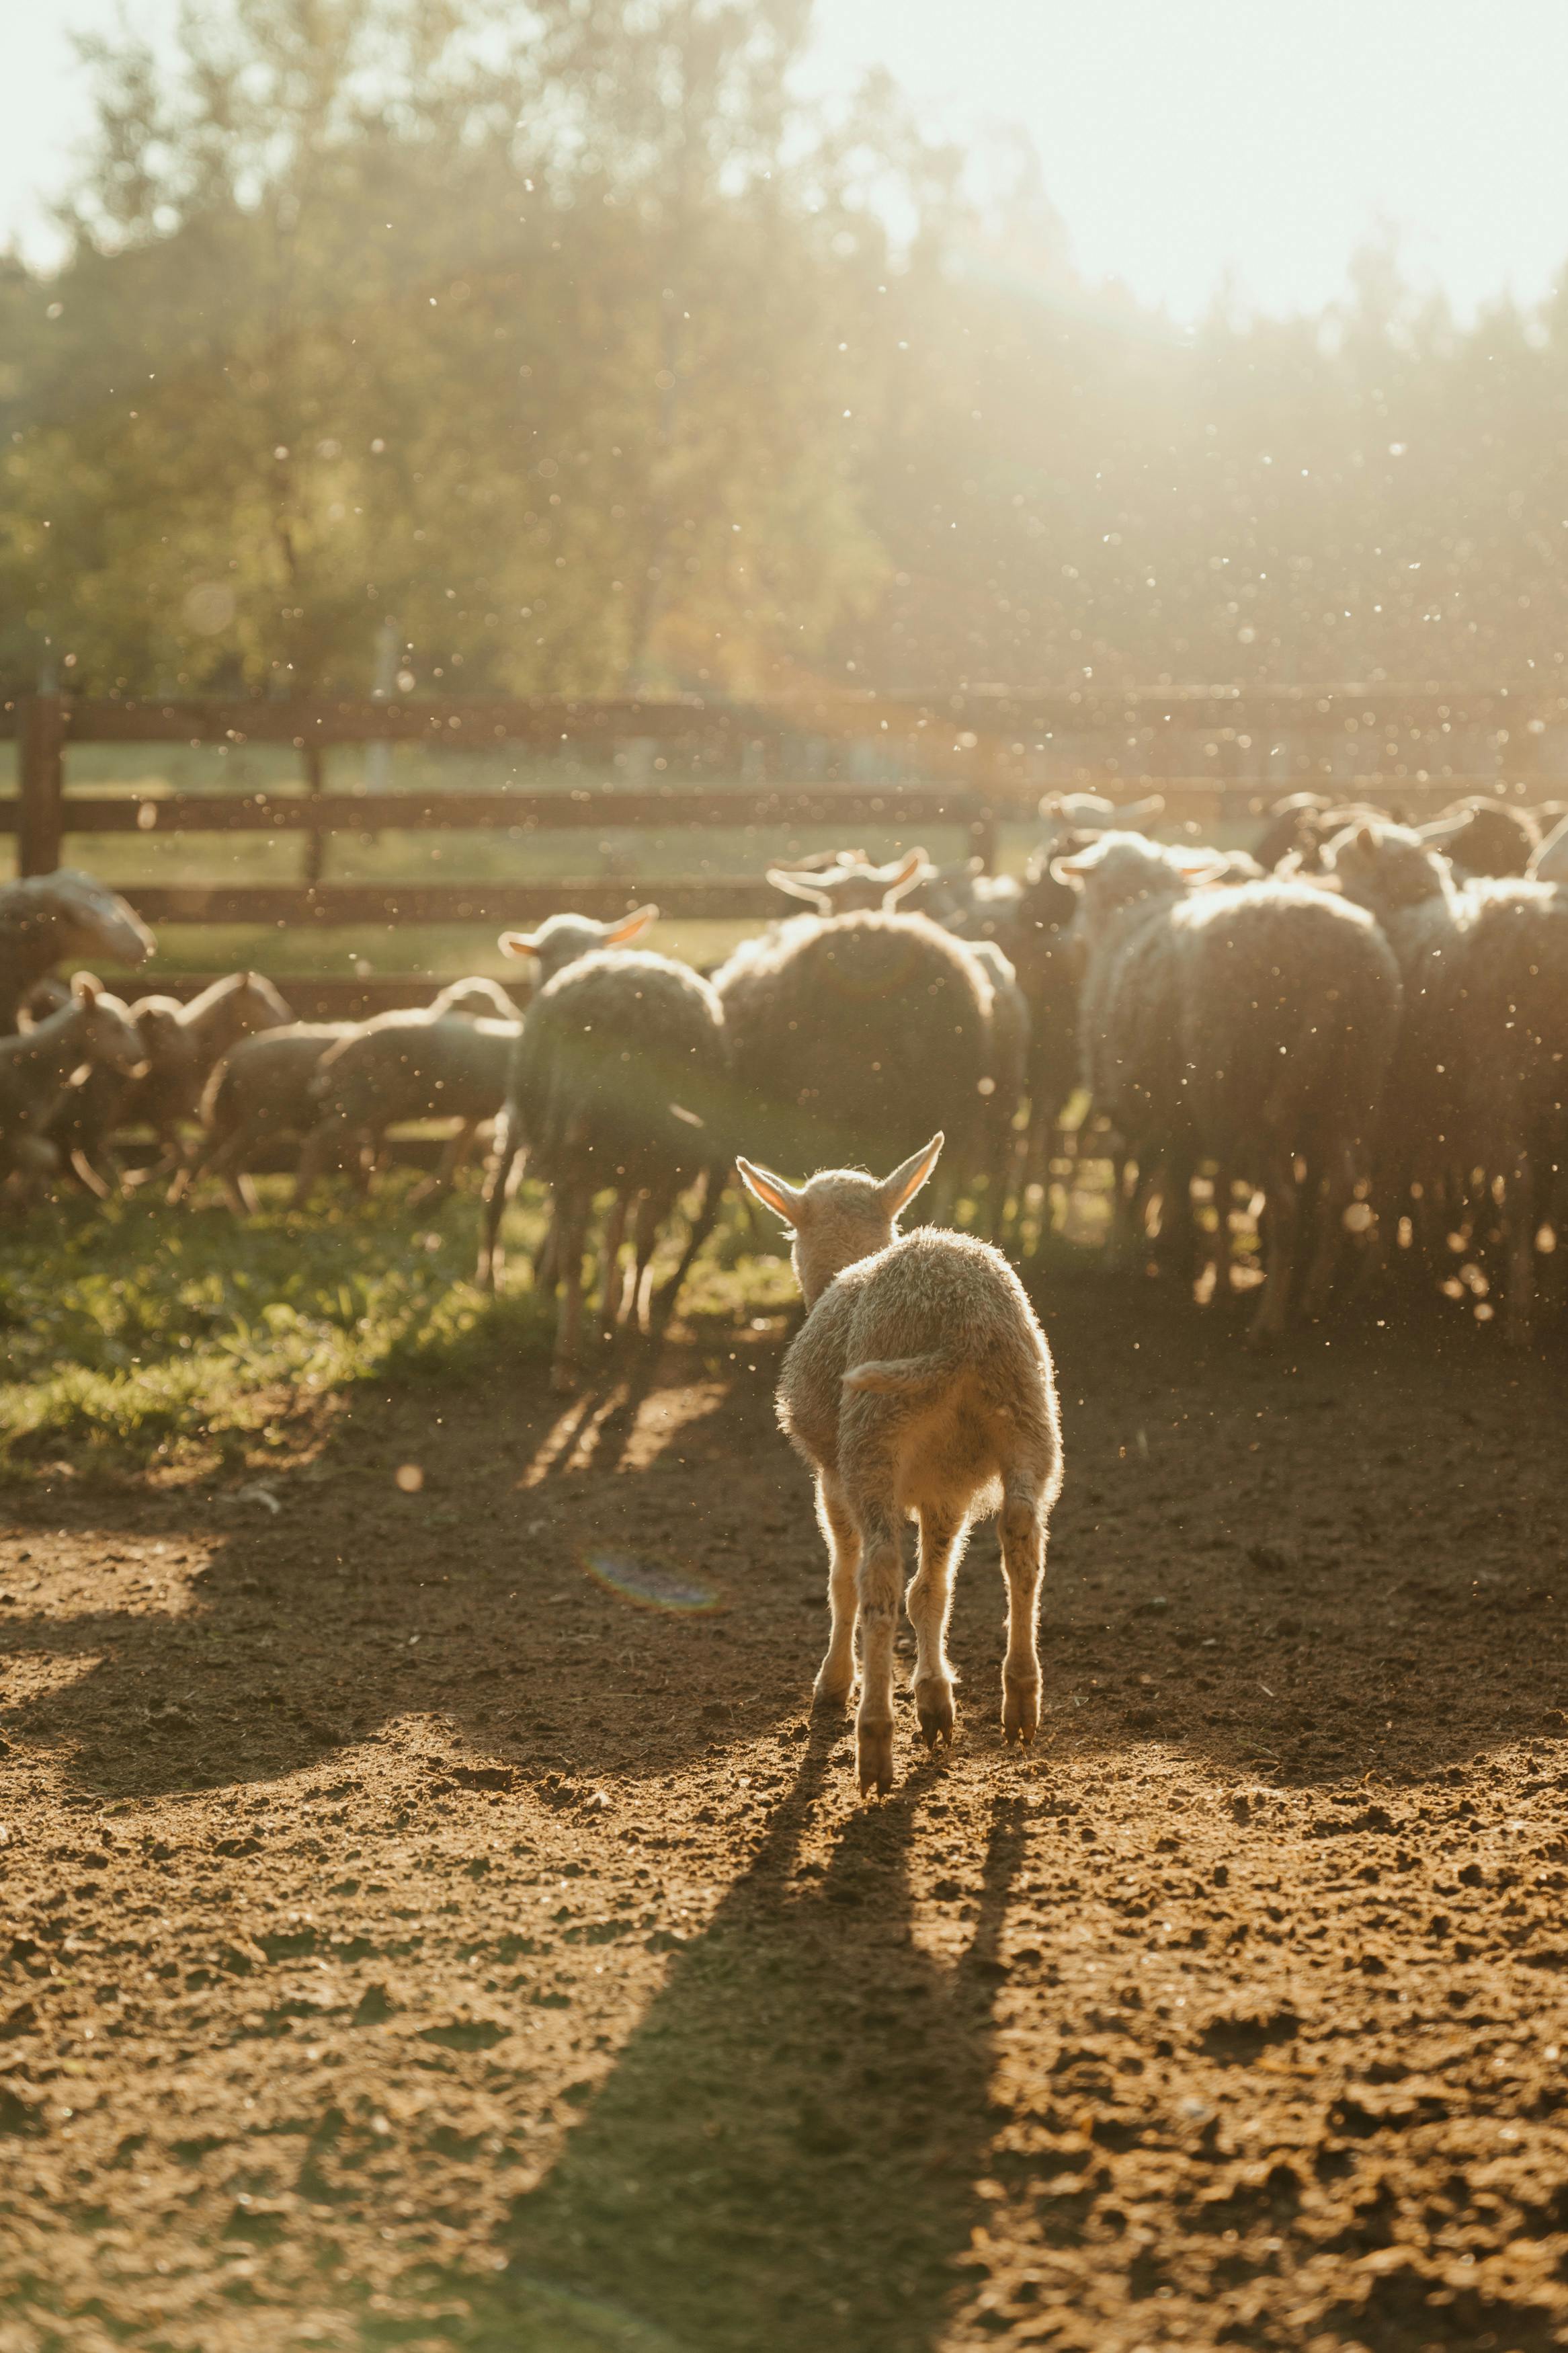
(315, 841)
(41, 723)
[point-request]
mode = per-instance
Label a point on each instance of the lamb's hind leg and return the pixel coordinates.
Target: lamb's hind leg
(882, 1584)
(930, 1605)
(836, 1520)
(1024, 1565)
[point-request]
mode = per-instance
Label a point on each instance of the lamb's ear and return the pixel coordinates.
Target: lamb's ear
(1071, 870)
(519, 943)
(913, 867)
(784, 1200)
(86, 987)
(801, 886)
(907, 1179)
(1366, 839)
(1201, 866)
(630, 928)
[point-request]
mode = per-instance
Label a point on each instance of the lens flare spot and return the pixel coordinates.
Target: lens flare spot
(652, 1584)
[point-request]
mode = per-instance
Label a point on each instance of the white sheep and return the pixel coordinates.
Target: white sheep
(36, 1068)
(617, 1082)
(1481, 1083)
(1252, 1025)
(919, 1387)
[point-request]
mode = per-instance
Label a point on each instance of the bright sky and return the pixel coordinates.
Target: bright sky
(1181, 140)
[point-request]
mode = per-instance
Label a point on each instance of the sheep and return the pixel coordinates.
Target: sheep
(846, 1032)
(47, 917)
(428, 1064)
(182, 1042)
(1251, 1024)
(1549, 861)
(618, 1080)
(1482, 835)
(1481, 1079)
(1299, 826)
(256, 1095)
(477, 994)
(850, 886)
(36, 1066)
(919, 1387)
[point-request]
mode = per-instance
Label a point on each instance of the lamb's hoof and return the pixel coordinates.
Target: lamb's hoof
(829, 1695)
(1263, 1336)
(1020, 1710)
(874, 1758)
(565, 1379)
(933, 1705)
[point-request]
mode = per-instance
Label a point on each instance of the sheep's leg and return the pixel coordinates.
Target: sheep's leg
(1339, 1186)
(1024, 1565)
(574, 1204)
(610, 1262)
(322, 1147)
(546, 1258)
(929, 1606)
(454, 1153)
(501, 1181)
(842, 1535)
(1518, 1308)
(652, 1210)
(225, 1163)
(713, 1183)
(1282, 1211)
(882, 1584)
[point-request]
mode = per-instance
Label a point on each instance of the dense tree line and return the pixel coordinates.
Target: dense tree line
(575, 341)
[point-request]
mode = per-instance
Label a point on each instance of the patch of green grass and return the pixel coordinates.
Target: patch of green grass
(137, 1336)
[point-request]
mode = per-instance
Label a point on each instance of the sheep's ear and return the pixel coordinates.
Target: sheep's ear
(86, 987)
(1366, 839)
(1071, 870)
(907, 1179)
(801, 886)
(1200, 867)
(519, 943)
(784, 1201)
(630, 928)
(913, 867)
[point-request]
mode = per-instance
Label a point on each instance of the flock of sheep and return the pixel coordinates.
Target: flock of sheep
(1359, 1031)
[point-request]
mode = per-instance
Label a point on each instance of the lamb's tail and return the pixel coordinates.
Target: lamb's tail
(899, 1375)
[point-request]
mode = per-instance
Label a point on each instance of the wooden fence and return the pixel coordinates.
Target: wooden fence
(897, 762)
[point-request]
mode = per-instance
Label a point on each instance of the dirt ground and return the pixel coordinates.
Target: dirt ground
(430, 1918)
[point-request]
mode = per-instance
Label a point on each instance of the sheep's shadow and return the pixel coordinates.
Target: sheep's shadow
(476, 1598)
(786, 2150)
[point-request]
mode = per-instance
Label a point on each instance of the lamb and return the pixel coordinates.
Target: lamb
(618, 1079)
(47, 917)
(256, 1096)
(1253, 1025)
(36, 1066)
(846, 1033)
(1481, 1079)
(919, 1387)
(429, 1064)
(182, 1042)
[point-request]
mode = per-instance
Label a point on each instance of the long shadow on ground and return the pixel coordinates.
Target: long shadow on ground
(785, 2153)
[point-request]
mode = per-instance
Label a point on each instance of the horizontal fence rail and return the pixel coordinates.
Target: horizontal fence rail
(973, 760)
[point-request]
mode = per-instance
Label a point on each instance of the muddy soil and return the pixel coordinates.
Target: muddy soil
(430, 1916)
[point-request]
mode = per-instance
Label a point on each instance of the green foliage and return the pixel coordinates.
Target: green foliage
(576, 338)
